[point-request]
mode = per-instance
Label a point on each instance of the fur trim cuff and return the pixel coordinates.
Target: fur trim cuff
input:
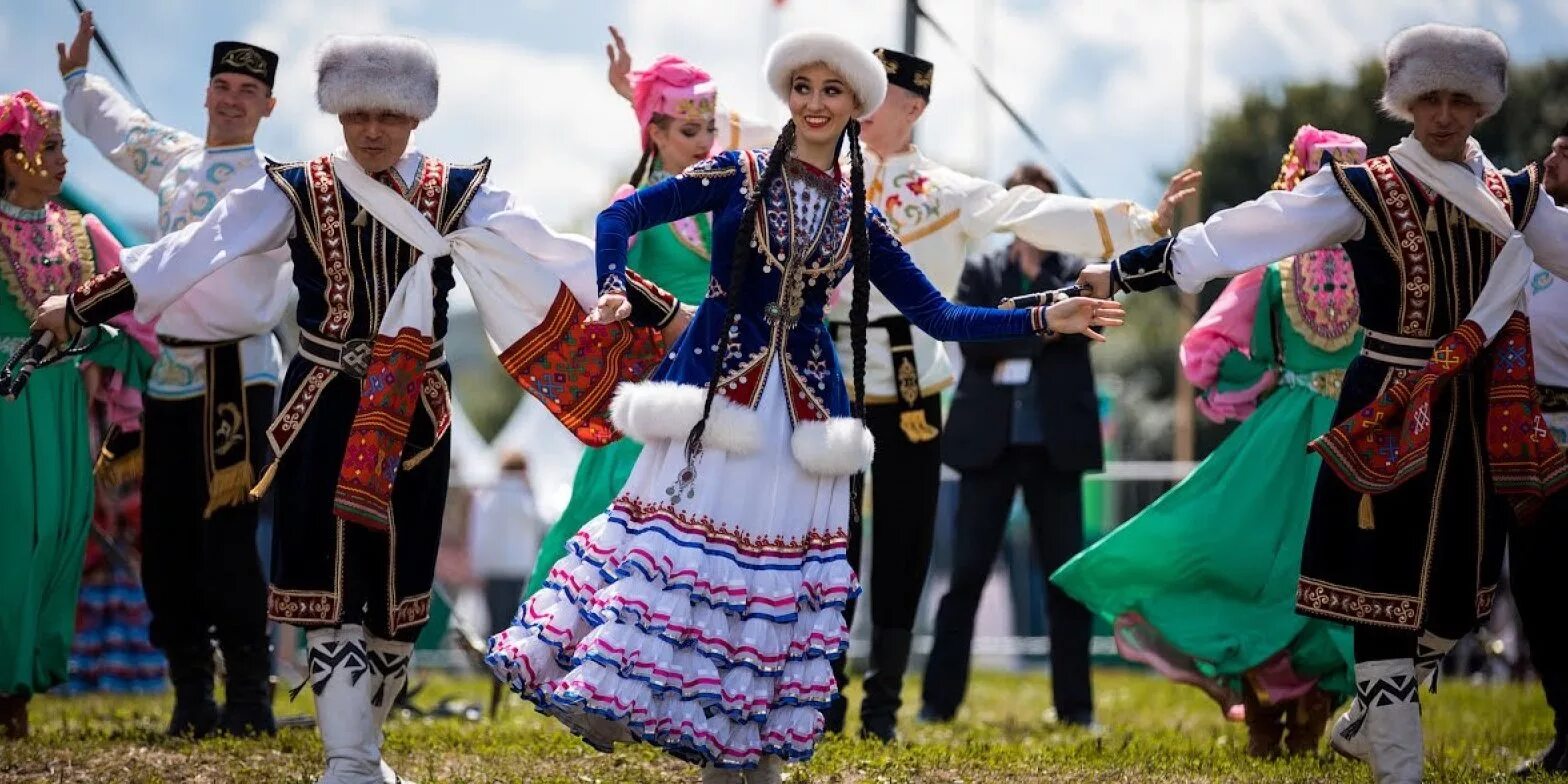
(1429, 57)
(390, 73)
(648, 411)
(840, 446)
(860, 68)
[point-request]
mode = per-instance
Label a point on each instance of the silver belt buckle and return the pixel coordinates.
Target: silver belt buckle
(355, 357)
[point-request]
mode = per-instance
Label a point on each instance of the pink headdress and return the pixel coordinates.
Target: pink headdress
(26, 116)
(675, 88)
(1305, 155)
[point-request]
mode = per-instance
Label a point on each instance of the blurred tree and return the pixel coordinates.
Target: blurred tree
(1244, 147)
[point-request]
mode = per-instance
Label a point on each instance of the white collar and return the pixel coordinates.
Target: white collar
(910, 154)
(407, 166)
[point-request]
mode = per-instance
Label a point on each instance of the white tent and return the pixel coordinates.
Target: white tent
(552, 453)
(474, 464)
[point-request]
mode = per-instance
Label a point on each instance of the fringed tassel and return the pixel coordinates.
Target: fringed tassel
(114, 470)
(419, 457)
(1364, 519)
(229, 487)
(916, 427)
(266, 481)
(687, 479)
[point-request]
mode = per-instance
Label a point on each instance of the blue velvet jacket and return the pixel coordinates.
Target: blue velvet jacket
(785, 294)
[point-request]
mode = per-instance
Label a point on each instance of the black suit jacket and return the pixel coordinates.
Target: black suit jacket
(979, 423)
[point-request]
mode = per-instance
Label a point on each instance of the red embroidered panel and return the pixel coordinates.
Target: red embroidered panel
(388, 397)
(804, 405)
(1404, 217)
(288, 422)
(303, 608)
(1526, 461)
(437, 400)
(1326, 600)
(429, 193)
(1385, 443)
(326, 208)
(573, 368)
(410, 612)
(639, 513)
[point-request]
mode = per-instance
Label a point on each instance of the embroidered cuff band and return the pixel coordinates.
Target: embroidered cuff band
(651, 305)
(1144, 269)
(101, 298)
(1039, 323)
(613, 283)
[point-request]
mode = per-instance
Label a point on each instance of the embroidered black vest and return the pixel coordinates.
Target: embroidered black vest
(346, 263)
(1421, 262)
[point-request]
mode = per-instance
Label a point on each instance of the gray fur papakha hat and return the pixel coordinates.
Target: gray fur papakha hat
(390, 73)
(1429, 57)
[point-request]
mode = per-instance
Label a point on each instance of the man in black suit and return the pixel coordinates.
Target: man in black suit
(1025, 415)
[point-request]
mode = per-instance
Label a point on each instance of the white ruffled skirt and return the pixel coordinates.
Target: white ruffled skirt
(702, 622)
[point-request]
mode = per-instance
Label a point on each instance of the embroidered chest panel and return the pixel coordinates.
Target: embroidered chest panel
(914, 205)
(805, 218)
(1407, 216)
(42, 258)
(197, 184)
(1318, 289)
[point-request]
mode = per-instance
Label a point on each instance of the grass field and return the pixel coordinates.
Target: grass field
(1153, 732)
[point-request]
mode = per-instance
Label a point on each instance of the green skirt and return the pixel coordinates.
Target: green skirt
(47, 483)
(1212, 565)
(600, 476)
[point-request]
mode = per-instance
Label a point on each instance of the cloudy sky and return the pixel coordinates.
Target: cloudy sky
(1106, 82)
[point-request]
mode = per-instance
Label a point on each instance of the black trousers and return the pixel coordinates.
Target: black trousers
(1536, 553)
(202, 576)
(905, 478)
(1054, 499)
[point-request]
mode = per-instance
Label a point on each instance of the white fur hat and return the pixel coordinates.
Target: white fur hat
(390, 73)
(866, 75)
(1429, 57)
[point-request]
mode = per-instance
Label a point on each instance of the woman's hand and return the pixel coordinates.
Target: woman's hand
(1079, 315)
(611, 308)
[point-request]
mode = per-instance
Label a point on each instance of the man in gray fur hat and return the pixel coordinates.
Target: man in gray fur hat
(362, 453)
(1441, 443)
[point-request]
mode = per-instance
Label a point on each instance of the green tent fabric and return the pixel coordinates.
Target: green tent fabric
(79, 200)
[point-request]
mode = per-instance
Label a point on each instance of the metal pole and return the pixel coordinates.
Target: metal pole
(911, 15)
(1184, 423)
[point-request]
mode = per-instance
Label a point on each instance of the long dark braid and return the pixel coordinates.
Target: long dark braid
(641, 172)
(10, 145)
(860, 298)
(746, 240)
(650, 150)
